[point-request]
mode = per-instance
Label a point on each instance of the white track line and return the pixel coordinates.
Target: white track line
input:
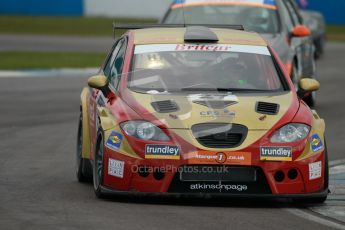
(317, 217)
(337, 162)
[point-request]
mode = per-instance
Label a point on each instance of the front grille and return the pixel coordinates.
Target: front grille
(218, 173)
(219, 135)
(167, 106)
(237, 180)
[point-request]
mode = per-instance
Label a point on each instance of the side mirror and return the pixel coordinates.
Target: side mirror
(98, 82)
(301, 31)
(306, 86)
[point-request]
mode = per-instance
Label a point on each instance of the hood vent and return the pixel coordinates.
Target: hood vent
(267, 108)
(165, 106)
(216, 104)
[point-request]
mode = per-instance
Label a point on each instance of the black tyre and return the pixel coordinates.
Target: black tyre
(311, 99)
(83, 169)
(98, 167)
(319, 47)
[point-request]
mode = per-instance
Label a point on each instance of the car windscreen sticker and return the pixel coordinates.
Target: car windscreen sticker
(275, 153)
(268, 3)
(316, 143)
(114, 140)
(162, 152)
(212, 97)
(142, 49)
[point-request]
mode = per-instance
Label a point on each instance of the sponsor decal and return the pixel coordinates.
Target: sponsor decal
(162, 152)
(231, 158)
(142, 49)
(221, 187)
(116, 168)
(276, 153)
(202, 47)
(316, 143)
(114, 140)
(221, 158)
(223, 113)
(211, 97)
(315, 170)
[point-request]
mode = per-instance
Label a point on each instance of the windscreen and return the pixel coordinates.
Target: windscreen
(167, 68)
(261, 18)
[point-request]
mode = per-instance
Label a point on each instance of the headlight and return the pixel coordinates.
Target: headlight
(144, 130)
(291, 133)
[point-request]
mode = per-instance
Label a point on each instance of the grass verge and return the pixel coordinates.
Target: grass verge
(94, 26)
(82, 26)
(48, 60)
(336, 33)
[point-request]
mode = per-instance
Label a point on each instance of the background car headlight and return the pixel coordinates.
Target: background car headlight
(144, 130)
(291, 133)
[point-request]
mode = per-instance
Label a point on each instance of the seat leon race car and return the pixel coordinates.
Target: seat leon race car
(200, 111)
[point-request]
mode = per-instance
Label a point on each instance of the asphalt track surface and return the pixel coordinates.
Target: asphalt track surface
(38, 188)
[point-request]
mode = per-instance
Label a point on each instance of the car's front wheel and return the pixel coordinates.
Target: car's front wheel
(320, 46)
(83, 171)
(98, 167)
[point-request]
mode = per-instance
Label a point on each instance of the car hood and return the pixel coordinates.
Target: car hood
(184, 111)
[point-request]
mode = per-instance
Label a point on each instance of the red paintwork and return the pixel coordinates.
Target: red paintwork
(134, 182)
(124, 107)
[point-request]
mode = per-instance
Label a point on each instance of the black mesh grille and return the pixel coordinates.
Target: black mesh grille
(165, 106)
(219, 135)
(252, 179)
(218, 173)
(267, 108)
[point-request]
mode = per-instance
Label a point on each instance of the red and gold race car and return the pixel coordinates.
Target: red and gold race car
(193, 110)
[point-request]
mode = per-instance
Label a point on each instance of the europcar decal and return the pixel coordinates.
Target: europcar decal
(276, 153)
(316, 143)
(162, 152)
(142, 49)
(114, 140)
